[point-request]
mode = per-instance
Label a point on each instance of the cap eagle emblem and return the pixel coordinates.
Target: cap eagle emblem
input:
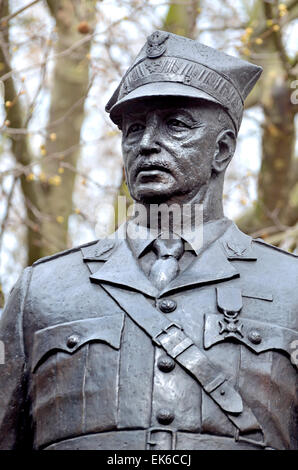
(156, 44)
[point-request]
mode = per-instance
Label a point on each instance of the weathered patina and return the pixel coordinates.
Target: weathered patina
(156, 342)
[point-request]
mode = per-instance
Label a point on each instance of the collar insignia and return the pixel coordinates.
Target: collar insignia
(236, 249)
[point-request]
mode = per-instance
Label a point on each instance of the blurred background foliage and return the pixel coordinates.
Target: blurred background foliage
(60, 157)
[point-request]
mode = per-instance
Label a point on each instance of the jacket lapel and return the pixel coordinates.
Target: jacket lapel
(211, 265)
(123, 269)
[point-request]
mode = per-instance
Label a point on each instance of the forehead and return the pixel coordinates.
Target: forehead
(168, 104)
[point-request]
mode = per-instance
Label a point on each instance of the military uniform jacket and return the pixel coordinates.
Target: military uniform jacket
(79, 373)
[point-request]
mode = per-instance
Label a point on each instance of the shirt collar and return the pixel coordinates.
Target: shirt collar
(140, 237)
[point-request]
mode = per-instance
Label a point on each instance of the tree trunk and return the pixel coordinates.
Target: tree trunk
(181, 17)
(49, 200)
(69, 90)
(276, 208)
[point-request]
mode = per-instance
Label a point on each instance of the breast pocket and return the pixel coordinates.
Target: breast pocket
(264, 370)
(256, 335)
(75, 368)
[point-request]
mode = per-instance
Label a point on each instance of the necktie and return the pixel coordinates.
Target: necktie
(166, 267)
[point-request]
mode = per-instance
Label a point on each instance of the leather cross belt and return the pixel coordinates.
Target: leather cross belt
(171, 337)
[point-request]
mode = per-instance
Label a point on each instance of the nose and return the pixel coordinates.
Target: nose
(150, 140)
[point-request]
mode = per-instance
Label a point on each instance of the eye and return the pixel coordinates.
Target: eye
(136, 127)
(176, 123)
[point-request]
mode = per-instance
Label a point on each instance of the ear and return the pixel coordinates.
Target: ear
(224, 150)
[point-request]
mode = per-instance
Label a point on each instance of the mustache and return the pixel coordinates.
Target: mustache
(152, 164)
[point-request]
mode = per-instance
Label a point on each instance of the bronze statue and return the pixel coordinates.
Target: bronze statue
(156, 342)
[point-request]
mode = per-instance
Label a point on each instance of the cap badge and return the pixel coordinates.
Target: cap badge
(156, 44)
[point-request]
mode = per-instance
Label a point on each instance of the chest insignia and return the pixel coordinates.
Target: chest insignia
(229, 302)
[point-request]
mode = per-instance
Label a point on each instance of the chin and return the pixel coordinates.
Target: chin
(152, 195)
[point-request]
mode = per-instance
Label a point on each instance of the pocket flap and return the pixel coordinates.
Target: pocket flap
(257, 293)
(70, 336)
(258, 336)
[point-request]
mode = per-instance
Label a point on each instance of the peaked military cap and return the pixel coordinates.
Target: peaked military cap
(171, 65)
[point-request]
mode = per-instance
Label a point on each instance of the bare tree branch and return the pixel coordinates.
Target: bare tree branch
(6, 19)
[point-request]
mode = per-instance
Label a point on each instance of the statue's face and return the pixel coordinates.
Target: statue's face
(168, 146)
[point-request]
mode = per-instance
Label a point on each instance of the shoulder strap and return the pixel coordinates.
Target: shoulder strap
(171, 337)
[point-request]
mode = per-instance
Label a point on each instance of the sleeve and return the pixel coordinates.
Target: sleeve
(13, 368)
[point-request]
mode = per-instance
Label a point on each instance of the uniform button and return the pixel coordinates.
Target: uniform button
(72, 341)
(165, 416)
(167, 305)
(254, 337)
(165, 363)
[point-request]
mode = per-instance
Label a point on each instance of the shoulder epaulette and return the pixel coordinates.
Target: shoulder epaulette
(62, 253)
(285, 252)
